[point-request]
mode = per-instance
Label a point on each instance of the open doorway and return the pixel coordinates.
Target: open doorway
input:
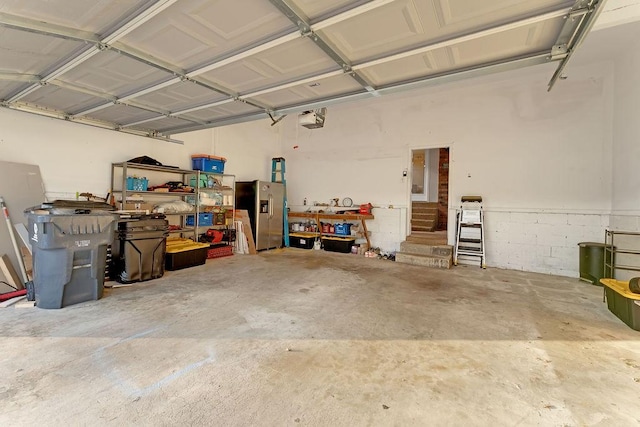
(429, 193)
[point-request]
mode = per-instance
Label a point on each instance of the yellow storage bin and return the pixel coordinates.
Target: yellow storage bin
(183, 253)
(622, 302)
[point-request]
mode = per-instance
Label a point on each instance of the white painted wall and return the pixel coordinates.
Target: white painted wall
(626, 133)
(618, 12)
(77, 158)
(248, 148)
(626, 158)
(541, 160)
(74, 157)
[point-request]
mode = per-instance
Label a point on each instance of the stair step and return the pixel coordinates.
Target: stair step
(425, 215)
(422, 228)
(423, 222)
(424, 204)
(433, 261)
(420, 209)
(425, 249)
(428, 237)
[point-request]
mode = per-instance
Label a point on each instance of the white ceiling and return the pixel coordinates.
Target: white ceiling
(161, 67)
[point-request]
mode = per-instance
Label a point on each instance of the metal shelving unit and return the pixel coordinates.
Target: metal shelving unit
(611, 251)
(226, 192)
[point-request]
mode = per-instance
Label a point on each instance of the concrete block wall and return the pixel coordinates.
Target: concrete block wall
(539, 241)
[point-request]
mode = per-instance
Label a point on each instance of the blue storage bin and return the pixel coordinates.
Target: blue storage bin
(137, 184)
(343, 229)
(204, 219)
(205, 163)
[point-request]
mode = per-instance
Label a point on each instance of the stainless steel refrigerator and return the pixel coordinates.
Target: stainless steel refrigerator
(264, 201)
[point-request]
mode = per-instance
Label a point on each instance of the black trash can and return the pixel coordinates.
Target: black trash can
(69, 252)
(592, 267)
(139, 248)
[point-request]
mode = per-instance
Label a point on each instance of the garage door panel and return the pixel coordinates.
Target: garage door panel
(61, 99)
(8, 88)
(224, 111)
(522, 41)
(406, 24)
(114, 74)
(25, 52)
(290, 61)
(96, 16)
(320, 89)
(471, 13)
(199, 31)
(180, 96)
(162, 124)
(525, 40)
(121, 114)
(317, 10)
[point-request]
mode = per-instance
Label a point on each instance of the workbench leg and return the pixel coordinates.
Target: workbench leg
(366, 233)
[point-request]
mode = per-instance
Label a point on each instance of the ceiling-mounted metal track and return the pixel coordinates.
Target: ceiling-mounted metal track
(85, 121)
(471, 72)
(302, 22)
(578, 23)
(112, 100)
(46, 29)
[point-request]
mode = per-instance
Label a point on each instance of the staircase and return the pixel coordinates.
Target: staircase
(424, 216)
(427, 250)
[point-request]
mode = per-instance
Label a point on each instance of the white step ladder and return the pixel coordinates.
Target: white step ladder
(470, 230)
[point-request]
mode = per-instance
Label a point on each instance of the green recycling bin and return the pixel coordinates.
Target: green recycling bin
(592, 267)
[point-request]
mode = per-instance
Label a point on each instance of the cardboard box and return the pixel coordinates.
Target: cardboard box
(139, 206)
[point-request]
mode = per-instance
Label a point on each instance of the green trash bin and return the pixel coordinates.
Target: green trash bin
(592, 267)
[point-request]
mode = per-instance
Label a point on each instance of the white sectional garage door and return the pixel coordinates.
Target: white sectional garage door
(156, 68)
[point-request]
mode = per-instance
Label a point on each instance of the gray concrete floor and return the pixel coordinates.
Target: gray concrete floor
(294, 337)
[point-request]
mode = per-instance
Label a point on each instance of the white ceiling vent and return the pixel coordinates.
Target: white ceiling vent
(313, 119)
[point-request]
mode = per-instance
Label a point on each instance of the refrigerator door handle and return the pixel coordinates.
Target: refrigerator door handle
(270, 205)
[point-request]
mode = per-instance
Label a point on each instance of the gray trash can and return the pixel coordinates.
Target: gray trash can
(69, 254)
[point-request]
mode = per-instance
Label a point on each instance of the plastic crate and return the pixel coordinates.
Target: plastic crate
(343, 229)
(206, 163)
(204, 219)
(338, 244)
(219, 251)
(137, 184)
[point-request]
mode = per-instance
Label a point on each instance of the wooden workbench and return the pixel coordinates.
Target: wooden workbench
(317, 216)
